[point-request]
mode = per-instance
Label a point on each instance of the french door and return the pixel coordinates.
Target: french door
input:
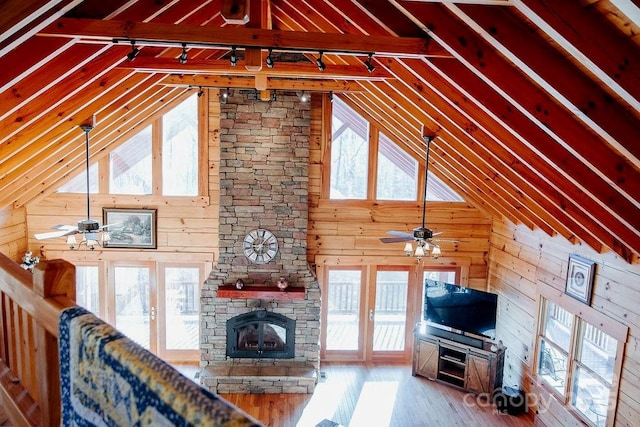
(155, 304)
(365, 322)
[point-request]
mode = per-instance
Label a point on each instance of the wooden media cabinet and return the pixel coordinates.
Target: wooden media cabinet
(478, 370)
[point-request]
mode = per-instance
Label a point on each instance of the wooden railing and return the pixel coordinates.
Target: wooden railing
(30, 306)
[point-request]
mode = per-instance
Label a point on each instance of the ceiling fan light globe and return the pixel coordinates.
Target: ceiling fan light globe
(436, 252)
(419, 252)
(408, 248)
(106, 237)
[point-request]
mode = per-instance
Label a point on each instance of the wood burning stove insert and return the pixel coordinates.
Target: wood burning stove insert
(261, 334)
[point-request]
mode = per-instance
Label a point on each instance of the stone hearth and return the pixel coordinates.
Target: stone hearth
(264, 160)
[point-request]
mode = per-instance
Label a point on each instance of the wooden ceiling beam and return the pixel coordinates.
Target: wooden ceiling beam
(41, 80)
(200, 80)
(20, 20)
(47, 100)
(492, 69)
(281, 69)
(570, 184)
(556, 74)
(588, 38)
(203, 36)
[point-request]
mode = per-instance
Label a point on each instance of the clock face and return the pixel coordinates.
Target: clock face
(260, 246)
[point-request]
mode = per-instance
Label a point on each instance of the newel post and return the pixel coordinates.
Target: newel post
(50, 279)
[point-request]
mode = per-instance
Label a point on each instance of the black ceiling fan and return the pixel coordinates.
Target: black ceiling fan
(92, 232)
(423, 235)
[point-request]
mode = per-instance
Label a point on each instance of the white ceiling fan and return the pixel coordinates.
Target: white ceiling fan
(425, 238)
(92, 232)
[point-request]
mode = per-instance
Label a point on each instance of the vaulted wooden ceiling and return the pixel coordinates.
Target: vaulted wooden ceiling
(536, 103)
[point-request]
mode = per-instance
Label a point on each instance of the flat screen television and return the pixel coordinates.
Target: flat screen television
(459, 308)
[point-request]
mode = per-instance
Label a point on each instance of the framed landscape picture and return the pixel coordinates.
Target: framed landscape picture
(130, 228)
(580, 278)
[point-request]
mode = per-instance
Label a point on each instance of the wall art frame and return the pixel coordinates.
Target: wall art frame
(131, 228)
(580, 276)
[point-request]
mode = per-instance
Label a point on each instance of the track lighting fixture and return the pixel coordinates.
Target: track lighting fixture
(304, 97)
(269, 59)
(183, 55)
(200, 92)
(321, 65)
(224, 95)
(134, 51)
(233, 59)
(368, 64)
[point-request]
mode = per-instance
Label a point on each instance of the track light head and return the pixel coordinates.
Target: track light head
(134, 51)
(269, 59)
(183, 55)
(304, 97)
(369, 65)
(321, 65)
(233, 59)
(200, 92)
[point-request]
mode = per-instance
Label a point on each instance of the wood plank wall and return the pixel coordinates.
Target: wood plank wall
(341, 229)
(13, 241)
(521, 260)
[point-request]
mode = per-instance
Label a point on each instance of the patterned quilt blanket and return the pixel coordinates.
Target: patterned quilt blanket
(109, 380)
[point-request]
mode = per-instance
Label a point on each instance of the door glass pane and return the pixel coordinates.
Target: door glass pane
(132, 303)
(180, 149)
(343, 312)
(390, 310)
(182, 305)
(87, 294)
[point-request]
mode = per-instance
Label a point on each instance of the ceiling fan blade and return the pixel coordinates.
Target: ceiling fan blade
(447, 240)
(400, 234)
(54, 234)
(65, 227)
(396, 239)
(437, 234)
(109, 225)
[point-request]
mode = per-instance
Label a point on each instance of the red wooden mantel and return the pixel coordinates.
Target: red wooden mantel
(261, 292)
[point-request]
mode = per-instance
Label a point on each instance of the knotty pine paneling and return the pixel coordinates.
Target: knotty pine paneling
(13, 241)
(520, 260)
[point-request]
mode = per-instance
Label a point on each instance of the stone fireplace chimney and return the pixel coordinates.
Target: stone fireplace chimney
(264, 161)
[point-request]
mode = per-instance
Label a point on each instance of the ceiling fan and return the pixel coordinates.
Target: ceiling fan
(422, 235)
(92, 232)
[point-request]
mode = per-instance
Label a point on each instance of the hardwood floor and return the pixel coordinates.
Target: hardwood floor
(375, 395)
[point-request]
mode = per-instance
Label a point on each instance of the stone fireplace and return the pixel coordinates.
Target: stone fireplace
(264, 161)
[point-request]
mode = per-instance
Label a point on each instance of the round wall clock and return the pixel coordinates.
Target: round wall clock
(260, 246)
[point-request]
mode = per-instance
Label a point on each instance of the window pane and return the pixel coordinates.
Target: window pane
(343, 314)
(130, 165)
(397, 172)
(558, 324)
(78, 184)
(590, 397)
(87, 294)
(182, 305)
(597, 351)
(349, 153)
(438, 276)
(180, 149)
(552, 366)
